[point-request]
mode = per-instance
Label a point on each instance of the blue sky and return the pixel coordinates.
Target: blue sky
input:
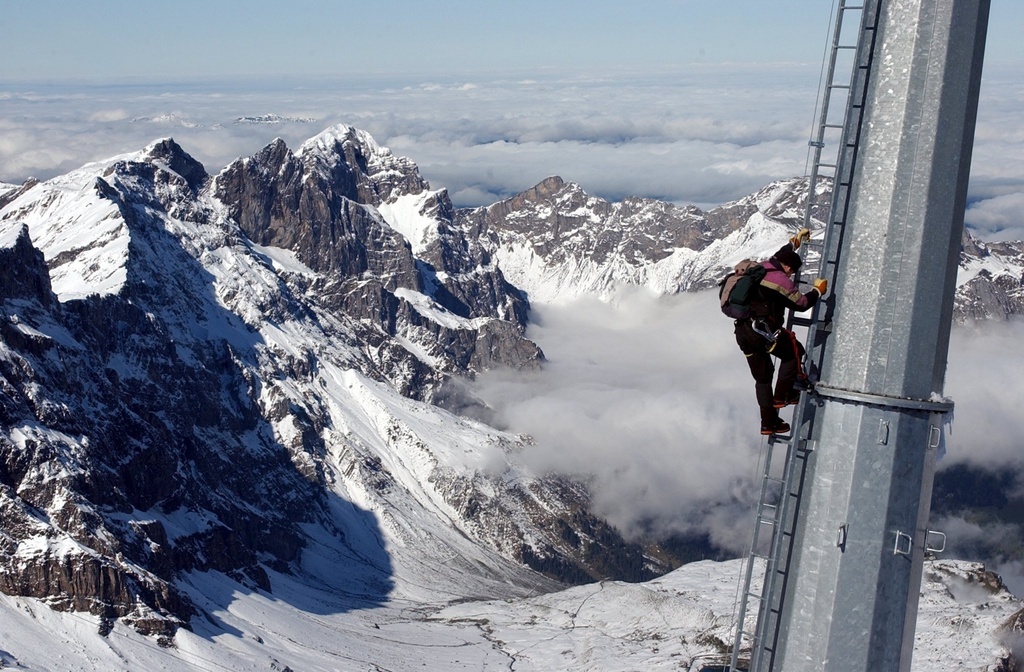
(188, 38)
(691, 101)
(106, 39)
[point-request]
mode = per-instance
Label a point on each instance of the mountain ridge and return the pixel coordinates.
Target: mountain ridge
(219, 364)
(172, 346)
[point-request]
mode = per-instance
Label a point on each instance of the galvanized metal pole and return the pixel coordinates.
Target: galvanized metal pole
(850, 601)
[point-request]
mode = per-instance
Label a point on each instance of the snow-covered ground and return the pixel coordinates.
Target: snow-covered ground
(681, 621)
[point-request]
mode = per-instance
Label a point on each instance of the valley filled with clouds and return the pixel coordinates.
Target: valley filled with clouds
(649, 399)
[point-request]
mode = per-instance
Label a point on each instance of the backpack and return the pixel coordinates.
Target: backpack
(739, 288)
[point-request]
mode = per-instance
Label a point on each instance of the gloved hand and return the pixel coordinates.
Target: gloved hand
(800, 238)
(820, 284)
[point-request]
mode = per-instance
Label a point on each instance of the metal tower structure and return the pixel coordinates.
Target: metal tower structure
(849, 522)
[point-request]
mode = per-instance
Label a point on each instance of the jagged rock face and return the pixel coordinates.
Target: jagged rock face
(315, 211)
(559, 243)
(27, 276)
(991, 280)
(208, 395)
(162, 434)
(560, 221)
(322, 204)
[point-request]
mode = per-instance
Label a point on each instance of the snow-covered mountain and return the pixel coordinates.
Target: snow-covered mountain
(250, 383)
(210, 373)
(558, 243)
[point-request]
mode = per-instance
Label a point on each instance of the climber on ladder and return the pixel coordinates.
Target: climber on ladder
(763, 335)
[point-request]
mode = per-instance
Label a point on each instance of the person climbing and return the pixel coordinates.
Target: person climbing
(763, 335)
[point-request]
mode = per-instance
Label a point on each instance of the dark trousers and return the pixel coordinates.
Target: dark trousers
(759, 351)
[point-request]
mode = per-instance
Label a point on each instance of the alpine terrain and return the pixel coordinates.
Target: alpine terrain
(235, 430)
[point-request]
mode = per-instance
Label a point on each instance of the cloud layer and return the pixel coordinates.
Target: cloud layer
(705, 134)
(650, 400)
(702, 136)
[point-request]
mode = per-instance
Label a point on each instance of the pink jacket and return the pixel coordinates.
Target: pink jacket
(779, 292)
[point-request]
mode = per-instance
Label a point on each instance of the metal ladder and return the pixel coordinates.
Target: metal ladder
(782, 471)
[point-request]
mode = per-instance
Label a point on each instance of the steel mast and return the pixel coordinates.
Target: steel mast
(850, 601)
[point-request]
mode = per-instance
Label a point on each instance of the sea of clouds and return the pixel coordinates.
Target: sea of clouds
(705, 134)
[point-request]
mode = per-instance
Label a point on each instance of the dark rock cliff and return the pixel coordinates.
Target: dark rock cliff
(156, 430)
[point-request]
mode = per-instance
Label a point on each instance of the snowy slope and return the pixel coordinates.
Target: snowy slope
(84, 234)
(681, 621)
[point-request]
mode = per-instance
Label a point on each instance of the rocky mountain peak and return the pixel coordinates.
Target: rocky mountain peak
(23, 270)
(990, 281)
(371, 174)
(9, 192)
(224, 354)
(170, 154)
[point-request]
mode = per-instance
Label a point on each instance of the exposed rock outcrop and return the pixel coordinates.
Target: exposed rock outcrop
(198, 390)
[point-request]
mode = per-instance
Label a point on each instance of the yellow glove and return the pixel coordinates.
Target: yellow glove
(800, 238)
(820, 284)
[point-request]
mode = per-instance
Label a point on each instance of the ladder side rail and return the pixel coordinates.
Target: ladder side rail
(745, 591)
(818, 143)
(767, 630)
(820, 325)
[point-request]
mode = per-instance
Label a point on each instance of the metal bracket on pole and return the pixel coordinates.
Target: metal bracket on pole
(904, 544)
(927, 545)
(883, 432)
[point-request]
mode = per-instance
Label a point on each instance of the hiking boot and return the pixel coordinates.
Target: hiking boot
(782, 402)
(776, 427)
